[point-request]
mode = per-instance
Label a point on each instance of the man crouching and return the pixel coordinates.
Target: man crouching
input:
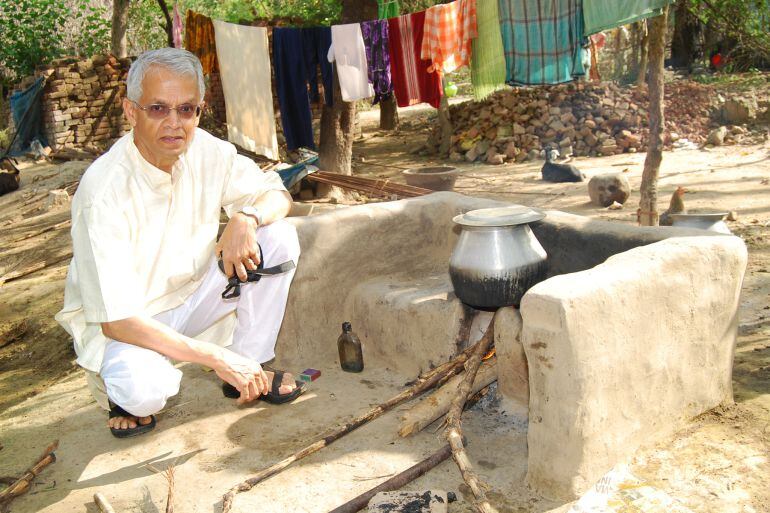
(145, 277)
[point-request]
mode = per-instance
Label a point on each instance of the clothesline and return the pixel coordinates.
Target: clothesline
(516, 42)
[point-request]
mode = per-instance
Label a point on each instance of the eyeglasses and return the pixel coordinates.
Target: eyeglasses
(161, 111)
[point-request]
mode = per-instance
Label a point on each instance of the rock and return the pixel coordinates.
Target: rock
(717, 136)
(738, 111)
(496, 159)
(518, 129)
(533, 154)
(482, 147)
(607, 188)
(732, 216)
(57, 198)
(456, 157)
(471, 155)
(511, 150)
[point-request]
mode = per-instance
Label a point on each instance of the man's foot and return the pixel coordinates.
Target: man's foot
(287, 390)
(123, 425)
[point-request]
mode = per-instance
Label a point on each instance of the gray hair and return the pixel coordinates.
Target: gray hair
(173, 59)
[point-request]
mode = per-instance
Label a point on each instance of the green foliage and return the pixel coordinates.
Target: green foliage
(146, 26)
(33, 32)
(744, 27)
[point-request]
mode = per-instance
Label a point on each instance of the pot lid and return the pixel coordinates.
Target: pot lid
(500, 216)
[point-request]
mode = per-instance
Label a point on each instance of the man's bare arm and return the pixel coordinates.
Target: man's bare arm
(244, 374)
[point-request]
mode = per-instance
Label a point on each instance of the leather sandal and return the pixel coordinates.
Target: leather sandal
(117, 411)
(273, 396)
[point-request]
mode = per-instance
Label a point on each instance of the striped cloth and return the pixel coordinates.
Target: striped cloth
(488, 58)
(542, 40)
(411, 81)
(449, 29)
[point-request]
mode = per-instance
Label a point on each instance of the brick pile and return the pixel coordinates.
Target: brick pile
(82, 101)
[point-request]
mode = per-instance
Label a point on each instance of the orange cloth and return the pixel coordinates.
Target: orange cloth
(199, 39)
(449, 29)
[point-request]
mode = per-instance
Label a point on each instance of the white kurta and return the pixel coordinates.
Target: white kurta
(143, 239)
(349, 52)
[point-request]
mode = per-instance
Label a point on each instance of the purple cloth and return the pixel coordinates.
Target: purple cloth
(375, 34)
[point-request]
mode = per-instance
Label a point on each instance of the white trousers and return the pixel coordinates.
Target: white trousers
(141, 380)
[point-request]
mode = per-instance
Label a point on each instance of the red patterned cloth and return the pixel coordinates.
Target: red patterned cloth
(411, 81)
(448, 31)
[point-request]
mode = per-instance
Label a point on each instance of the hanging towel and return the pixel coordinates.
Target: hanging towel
(378, 58)
(603, 15)
(387, 9)
(199, 39)
(488, 56)
(349, 53)
(411, 81)
(316, 42)
(291, 87)
(244, 64)
(176, 27)
(542, 40)
(449, 29)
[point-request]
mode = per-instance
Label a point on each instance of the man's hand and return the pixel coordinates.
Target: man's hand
(244, 374)
(238, 246)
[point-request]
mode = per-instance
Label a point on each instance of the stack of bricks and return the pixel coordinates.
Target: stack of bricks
(82, 101)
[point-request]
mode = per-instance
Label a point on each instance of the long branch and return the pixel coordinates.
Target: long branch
(454, 433)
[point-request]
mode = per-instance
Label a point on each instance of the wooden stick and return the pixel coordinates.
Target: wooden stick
(14, 275)
(170, 498)
(454, 434)
(432, 378)
(63, 224)
(395, 482)
(25, 481)
(13, 333)
(438, 403)
(103, 504)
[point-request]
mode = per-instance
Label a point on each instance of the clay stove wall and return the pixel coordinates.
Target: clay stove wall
(632, 335)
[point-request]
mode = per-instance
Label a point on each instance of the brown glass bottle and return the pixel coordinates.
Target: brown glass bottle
(351, 355)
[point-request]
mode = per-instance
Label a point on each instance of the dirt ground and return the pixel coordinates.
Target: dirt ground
(719, 462)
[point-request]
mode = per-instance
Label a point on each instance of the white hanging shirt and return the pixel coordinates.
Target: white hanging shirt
(348, 50)
(143, 238)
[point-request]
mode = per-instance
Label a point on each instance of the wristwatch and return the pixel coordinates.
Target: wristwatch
(253, 212)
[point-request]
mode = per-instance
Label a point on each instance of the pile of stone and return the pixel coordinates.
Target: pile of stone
(583, 119)
(82, 101)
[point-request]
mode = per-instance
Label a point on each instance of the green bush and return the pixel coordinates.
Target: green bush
(33, 32)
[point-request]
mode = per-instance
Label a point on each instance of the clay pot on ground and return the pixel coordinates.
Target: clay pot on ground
(434, 178)
(607, 188)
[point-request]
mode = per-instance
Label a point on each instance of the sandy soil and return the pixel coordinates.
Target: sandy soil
(717, 463)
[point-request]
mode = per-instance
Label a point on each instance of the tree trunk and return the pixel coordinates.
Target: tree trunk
(445, 122)
(684, 44)
(389, 113)
(119, 45)
(619, 54)
(338, 121)
(648, 204)
(644, 51)
(169, 26)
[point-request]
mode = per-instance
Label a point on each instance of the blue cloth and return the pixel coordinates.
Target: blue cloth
(542, 40)
(291, 87)
(315, 43)
(27, 112)
(290, 176)
(297, 53)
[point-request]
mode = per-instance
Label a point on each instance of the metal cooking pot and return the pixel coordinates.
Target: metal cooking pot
(497, 257)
